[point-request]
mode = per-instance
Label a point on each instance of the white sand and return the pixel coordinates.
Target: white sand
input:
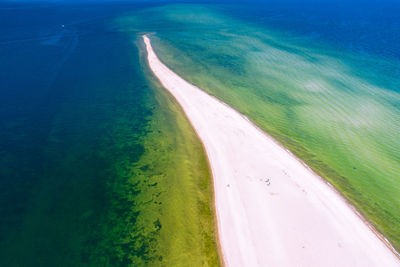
(297, 220)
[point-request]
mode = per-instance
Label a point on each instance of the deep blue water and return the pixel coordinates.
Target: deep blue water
(366, 27)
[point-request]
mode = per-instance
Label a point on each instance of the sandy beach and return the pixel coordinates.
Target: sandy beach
(271, 209)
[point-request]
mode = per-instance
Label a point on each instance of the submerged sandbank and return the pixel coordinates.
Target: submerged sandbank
(271, 209)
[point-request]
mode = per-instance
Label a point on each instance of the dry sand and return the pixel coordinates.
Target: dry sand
(292, 219)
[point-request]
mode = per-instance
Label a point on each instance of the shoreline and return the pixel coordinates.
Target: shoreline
(355, 210)
(250, 229)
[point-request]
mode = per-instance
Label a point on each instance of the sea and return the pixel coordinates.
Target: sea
(93, 152)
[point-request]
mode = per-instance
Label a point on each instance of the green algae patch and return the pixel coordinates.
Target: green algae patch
(177, 172)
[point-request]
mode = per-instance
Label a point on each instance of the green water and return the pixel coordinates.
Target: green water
(98, 166)
(337, 110)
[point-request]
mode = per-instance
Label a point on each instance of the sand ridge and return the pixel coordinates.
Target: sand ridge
(271, 209)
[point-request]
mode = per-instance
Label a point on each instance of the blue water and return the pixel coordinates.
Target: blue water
(368, 27)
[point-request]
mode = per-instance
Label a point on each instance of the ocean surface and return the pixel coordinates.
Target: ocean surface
(98, 165)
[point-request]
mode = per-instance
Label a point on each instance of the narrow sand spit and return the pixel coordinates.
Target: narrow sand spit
(271, 209)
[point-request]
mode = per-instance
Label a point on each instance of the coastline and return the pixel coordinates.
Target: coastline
(244, 252)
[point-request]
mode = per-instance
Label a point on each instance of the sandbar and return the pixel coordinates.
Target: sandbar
(271, 209)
